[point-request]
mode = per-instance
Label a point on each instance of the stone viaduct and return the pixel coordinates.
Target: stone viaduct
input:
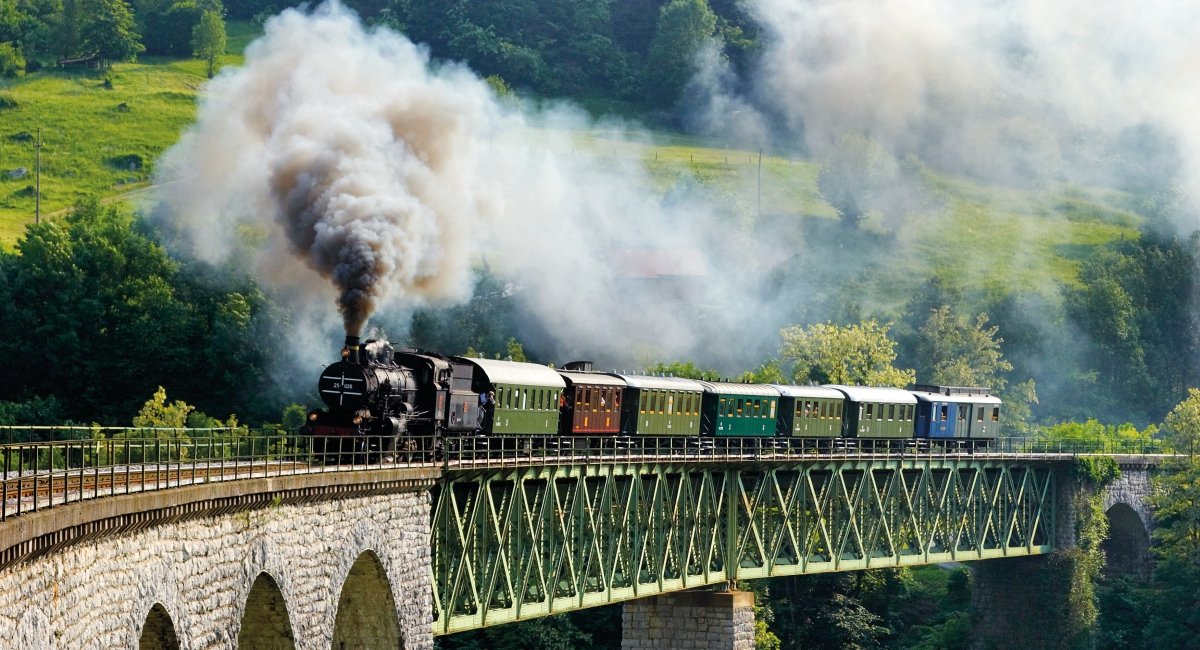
(337, 560)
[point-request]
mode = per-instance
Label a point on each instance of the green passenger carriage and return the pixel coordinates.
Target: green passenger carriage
(527, 395)
(739, 409)
(661, 406)
(809, 411)
(878, 412)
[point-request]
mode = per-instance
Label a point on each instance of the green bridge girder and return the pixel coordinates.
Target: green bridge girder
(511, 544)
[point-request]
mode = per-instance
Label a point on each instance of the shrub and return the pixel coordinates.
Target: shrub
(12, 64)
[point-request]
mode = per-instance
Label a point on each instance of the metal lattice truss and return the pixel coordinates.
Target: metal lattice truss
(512, 544)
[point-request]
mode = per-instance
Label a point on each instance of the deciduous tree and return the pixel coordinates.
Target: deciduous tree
(854, 354)
(954, 352)
(208, 39)
(156, 412)
(684, 26)
(109, 31)
(1183, 424)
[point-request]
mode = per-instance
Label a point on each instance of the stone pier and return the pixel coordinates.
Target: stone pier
(690, 620)
(304, 562)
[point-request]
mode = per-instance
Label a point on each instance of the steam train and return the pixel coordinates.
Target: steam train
(385, 402)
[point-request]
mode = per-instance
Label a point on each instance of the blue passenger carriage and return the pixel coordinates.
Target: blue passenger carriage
(956, 413)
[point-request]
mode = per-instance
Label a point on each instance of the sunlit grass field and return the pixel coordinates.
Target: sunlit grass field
(102, 132)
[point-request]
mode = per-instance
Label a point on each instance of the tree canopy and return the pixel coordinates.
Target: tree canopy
(109, 31)
(105, 316)
(208, 39)
(854, 354)
(684, 26)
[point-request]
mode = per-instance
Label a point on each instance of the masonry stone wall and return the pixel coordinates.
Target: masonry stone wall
(690, 621)
(98, 594)
(1130, 520)
(1131, 489)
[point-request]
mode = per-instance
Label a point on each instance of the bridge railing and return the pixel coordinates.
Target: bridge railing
(476, 451)
(41, 467)
(93, 462)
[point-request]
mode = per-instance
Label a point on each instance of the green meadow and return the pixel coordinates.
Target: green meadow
(102, 132)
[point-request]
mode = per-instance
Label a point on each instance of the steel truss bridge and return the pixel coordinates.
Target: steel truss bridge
(527, 527)
(512, 543)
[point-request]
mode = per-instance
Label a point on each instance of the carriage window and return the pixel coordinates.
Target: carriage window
(995, 414)
(880, 418)
(979, 415)
(945, 410)
(773, 405)
(671, 403)
(962, 413)
(870, 411)
(642, 403)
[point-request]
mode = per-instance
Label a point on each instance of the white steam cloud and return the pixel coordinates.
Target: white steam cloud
(1011, 90)
(349, 160)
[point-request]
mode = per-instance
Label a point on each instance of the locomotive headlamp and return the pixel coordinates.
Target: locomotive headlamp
(345, 353)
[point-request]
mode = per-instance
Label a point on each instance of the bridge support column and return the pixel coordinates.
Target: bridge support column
(690, 620)
(1029, 602)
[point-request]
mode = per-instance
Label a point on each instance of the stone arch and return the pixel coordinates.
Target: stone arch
(158, 631)
(366, 612)
(1127, 548)
(265, 622)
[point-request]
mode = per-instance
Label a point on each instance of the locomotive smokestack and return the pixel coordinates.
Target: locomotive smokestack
(352, 351)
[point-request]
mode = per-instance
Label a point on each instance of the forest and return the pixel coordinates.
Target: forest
(105, 323)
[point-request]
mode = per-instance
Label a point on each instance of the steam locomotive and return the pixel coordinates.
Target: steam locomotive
(382, 402)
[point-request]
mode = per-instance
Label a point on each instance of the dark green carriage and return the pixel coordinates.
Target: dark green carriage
(660, 406)
(527, 395)
(739, 409)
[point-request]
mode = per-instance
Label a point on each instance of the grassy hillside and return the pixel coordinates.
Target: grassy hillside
(103, 130)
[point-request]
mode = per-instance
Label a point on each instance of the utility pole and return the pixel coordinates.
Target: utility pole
(37, 184)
